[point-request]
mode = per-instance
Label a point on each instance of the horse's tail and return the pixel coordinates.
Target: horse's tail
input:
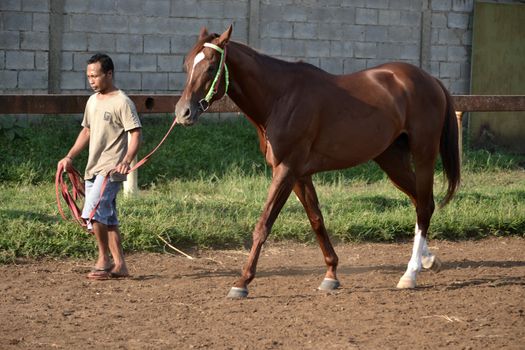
(449, 148)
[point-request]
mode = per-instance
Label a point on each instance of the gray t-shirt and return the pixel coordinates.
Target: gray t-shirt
(108, 121)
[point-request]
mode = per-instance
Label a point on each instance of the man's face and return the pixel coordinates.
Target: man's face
(98, 80)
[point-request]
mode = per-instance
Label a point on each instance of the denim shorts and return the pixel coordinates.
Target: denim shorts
(106, 212)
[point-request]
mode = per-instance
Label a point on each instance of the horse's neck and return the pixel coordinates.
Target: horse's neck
(251, 86)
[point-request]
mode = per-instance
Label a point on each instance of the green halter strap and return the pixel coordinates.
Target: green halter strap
(206, 101)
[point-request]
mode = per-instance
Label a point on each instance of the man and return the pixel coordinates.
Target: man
(108, 119)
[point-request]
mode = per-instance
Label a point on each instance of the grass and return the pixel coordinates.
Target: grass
(207, 184)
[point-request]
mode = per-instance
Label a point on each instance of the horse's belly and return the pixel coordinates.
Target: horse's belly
(347, 147)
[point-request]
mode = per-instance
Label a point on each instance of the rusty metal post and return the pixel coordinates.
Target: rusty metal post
(131, 185)
(459, 117)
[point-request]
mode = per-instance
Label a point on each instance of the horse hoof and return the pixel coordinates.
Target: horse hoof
(329, 284)
(406, 283)
(237, 293)
(432, 263)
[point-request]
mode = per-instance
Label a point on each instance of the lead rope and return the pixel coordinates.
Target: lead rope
(77, 184)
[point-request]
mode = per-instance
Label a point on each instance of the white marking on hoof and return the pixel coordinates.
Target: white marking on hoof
(406, 283)
(237, 293)
(329, 284)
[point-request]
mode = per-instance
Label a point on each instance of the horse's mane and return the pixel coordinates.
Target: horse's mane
(276, 62)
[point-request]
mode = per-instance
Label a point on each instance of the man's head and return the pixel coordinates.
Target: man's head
(100, 73)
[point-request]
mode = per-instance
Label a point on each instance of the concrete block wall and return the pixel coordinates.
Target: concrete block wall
(44, 44)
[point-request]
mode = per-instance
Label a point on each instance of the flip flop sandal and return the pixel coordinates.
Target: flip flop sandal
(99, 275)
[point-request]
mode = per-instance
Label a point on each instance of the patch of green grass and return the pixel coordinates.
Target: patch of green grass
(207, 185)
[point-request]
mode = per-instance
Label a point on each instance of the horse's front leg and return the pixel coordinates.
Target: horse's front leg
(305, 191)
(280, 189)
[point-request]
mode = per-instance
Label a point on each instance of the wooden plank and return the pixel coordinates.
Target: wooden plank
(70, 104)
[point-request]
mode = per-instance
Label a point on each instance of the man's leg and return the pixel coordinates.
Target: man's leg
(101, 234)
(115, 247)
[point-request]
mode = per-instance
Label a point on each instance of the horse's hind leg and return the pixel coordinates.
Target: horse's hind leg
(396, 162)
(305, 191)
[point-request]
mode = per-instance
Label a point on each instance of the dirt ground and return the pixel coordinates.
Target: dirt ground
(170, 302)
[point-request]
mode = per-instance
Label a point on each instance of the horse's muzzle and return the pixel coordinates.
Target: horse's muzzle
(185, 113)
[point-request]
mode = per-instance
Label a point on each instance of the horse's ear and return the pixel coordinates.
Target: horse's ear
(225, 37)
(203, 34)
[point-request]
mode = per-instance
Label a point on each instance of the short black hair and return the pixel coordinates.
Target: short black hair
(105, 62)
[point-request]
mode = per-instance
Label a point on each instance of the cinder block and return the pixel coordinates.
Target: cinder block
(156, 44)
(438, 52)
(237, 9)
(377, 4)
(8, 79)
(449, 70)
(170, 63)
(20, 60)
(41, 60)
(270, 46)
(143, 63)
(351, 65)
(366, 16)
(458, 20)
(17, 21)
(305, 30)
(73, 80)
(83, 22)
(74, 41)
(276, 30)
(317, 48)
(9, 40)
(154, 81)
(365, 50)
(160, 8)
(389, 17)
(102, 7)
(11, 5)
(376, 33)
(41, 22)
(457, 53)
(403, 34)
(129, 81)
(332, 65)
(129, 43)
(462, 5)
(342, 49)
(101, 42)
(32, 79)
(449, 36)
(113, 24)
(176, 81)
(409, 52)
(34, 41)
(35, 5)
(441, 5)
(2, 59)
(411, 18)
(66, 61)
(183, 44)
(293, 48)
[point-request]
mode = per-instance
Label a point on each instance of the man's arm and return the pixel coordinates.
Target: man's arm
(135, 136)
(81, 143)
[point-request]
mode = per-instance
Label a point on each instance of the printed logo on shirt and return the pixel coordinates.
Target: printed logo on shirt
(107, 116)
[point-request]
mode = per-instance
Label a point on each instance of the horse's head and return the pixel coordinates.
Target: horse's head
(207, 76)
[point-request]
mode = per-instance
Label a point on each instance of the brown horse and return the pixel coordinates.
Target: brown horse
(310, 121)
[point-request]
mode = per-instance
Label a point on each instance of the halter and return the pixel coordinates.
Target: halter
(206, 101)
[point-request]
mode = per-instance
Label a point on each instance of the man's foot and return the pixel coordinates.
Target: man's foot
(102, 275)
